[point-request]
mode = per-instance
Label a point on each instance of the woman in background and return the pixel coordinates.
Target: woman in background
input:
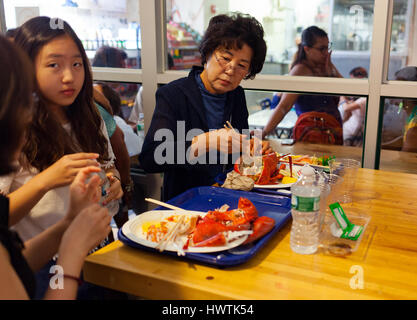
(313, 59)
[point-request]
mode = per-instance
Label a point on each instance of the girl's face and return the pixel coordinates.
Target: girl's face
(226, 68)
(60, 72)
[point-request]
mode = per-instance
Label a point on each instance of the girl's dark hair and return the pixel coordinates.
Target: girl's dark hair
(233, 32)
(308, 39)
(47, 140)
(10, 33)
(17, 80)
(113, 97)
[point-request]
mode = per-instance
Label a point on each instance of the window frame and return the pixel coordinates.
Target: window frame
(154, 74)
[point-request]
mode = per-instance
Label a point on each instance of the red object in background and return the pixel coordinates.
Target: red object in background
(213, 9)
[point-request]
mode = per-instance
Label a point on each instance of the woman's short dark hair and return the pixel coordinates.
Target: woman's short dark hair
(233, 32)
(16, 87)
(308, 39)
(359, 72)
(109, 57)
(406, 74)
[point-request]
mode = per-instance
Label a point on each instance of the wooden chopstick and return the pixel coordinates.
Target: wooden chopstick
(174, 230)
(170, 235)
(163, 204)
(229, 125)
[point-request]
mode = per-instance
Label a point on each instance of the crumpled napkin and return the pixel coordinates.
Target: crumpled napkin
(236, 181)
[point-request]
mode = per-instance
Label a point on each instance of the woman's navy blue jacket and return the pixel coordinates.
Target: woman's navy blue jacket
(181, 100)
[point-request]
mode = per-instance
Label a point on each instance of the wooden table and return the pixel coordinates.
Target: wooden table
(386, 260)
(391, 160)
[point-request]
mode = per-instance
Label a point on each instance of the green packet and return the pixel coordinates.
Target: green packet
(350, 230)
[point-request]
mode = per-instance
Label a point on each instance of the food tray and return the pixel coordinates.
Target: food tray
(210, 198)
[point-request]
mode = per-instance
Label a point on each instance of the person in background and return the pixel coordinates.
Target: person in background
(125, 147)
(133, 144)
(137, 110)
(110, 57)
(313, 58)
(233, 48)
(353, 112)
(66, 134)
(84, 224)
(409, 144)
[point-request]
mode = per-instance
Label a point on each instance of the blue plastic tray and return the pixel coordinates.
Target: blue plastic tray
(210, 198)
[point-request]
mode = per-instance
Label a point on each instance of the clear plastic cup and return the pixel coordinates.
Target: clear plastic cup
(347, 169)
(330, 185)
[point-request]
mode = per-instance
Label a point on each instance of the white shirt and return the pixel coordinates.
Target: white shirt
(137, 108)
(53, 206)
(353, 125)
(132, 140)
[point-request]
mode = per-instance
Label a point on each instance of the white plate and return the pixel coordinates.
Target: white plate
(295, 168)
(133, 231)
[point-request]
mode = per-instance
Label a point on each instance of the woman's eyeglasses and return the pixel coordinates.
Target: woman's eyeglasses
(324, 48)
(225, 62)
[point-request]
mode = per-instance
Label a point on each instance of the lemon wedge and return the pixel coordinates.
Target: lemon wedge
(286, 180)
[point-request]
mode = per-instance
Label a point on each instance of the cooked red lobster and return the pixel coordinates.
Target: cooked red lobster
(269, 174)
(209, 230)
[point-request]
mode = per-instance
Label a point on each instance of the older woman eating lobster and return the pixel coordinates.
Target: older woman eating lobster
(187, 139)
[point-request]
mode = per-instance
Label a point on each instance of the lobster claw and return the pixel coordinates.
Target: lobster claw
(261, 227)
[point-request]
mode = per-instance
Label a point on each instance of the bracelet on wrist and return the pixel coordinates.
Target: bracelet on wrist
(67, 276)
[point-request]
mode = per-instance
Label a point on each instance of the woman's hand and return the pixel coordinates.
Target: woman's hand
(226, 140)
(83, 193)
(86, 231)
(63, 171)
(259, 147)
(328, 66)
(115, 191)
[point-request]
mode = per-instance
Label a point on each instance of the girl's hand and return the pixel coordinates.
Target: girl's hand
(63, 171)
(115, 191)
(86, 231)
(83, 194)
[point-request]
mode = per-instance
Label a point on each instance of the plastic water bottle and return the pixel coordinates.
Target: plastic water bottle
(112, 206)
(305, 202)
(141, 126)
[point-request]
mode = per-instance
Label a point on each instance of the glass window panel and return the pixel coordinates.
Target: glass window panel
(125, 102)
(403, 51)
(399, 135)
(348, 23)
(261, 105)
(125, 99)
(98, 24)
